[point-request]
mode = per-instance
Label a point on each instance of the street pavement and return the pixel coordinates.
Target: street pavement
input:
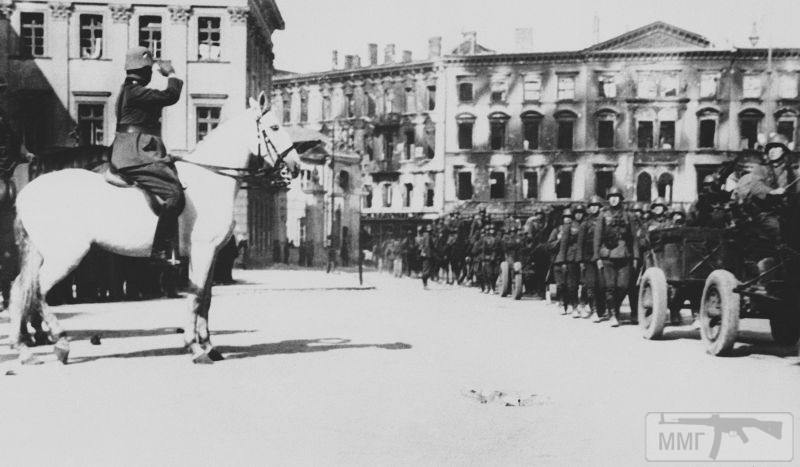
(323, 371)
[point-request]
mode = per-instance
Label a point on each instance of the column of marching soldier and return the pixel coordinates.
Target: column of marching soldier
(586, 257)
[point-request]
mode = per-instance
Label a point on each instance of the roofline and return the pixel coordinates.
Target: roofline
(538, 57)
(654, 25)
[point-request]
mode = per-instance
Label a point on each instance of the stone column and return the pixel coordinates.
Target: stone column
(57, 48)
(117, 42)
(176, 118)
(235, 52)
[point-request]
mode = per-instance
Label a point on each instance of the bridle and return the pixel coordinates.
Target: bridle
(272, 176)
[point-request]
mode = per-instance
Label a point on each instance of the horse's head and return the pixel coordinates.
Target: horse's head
(272, 142)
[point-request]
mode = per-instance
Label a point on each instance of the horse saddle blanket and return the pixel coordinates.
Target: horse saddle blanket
(116, 180)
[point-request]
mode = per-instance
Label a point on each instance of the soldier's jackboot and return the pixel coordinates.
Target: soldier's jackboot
(166, 243)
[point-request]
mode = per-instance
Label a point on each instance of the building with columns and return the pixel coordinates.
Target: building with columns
(62, 64)
(651, 111)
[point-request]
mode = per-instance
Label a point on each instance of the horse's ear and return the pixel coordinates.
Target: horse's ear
(263, 102)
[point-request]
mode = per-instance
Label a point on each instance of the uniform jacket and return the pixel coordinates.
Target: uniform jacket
(615, 236)
(569, 247)
(140, 106)
(425, 245)
(586, 238)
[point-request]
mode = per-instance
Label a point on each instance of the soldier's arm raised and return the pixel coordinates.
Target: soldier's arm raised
(139, 95)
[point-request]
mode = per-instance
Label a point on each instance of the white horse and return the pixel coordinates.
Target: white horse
(60, 215)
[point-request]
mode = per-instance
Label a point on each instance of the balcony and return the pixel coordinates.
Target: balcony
(385, 167)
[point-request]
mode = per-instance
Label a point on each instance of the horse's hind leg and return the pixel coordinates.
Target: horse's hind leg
(199, 298)
(54, 269)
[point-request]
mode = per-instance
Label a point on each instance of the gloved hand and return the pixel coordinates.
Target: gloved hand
(165, 68)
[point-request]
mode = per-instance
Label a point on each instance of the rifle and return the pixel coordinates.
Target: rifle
(729, 425)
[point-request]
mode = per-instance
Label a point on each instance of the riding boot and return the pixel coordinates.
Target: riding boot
(166, 245)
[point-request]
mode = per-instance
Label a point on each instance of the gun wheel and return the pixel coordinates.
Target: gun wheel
(652, 303)
(719, 312)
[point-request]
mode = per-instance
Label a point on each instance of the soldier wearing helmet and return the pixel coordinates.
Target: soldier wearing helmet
(616, 250)
(569, 259)
(712, 206)
(138, 153)
(658, 214)
(591, 300)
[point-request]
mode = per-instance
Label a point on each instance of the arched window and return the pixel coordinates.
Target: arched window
(408, 191)
(566, 128)
(531, 123)
(786, 123)
(664, 186)
(466, 122)
(344, 180)
(606, 123)
(644, 187)
(708, 119)
(749, 126)
(367, 197)
(497, 130)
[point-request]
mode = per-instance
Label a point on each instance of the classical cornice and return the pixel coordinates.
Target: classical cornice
(395, 71)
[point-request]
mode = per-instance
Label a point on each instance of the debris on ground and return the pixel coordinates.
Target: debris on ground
(505, 398)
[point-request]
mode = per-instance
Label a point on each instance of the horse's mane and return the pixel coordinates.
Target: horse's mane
(217, 143)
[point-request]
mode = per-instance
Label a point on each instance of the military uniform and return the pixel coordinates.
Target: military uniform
(138, 153)
(615, 249)
(568, 260)
(593, 294)
(425, 245)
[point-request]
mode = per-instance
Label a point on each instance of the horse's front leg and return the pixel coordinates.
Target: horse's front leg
(197, 337)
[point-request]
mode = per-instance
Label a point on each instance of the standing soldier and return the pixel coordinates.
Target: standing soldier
(138, 153)
(478, 254)
(615, 251)
(658, 215)
(590, 277)
(426, 252)
(554, 271)
(569, 259)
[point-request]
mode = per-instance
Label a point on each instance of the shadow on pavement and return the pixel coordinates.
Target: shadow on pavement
(85, 334)
(256, 350)
(748, 342)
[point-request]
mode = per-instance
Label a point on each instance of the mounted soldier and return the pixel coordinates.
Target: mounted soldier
(615, 251)
(138, 154)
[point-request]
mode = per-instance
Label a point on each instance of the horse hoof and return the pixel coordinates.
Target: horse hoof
(214, 355)
(202, 359)
(61, 349)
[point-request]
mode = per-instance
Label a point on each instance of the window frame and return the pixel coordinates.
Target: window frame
(753, 78)
(209, 41)
(716, 77)
(156, 47)
(493, 182)
(604, 79)
(461, 94)
(562, 78)
(564, 170)
(29, 51)
(461, 121)
(93, 118)
(92, 29)
(526, 92)
(498, 121)
(526, 185)
(208, 120)
(707, 115)
(460, 188)
(563, 118)
(610, 117)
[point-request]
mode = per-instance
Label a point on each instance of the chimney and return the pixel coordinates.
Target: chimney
(334, 60)
(407, 56)
(373, 54)
(435, 47)
(523, 40)
(388, 54)
(348, 62)
(471, 38)
(596, 28)
(356, 61)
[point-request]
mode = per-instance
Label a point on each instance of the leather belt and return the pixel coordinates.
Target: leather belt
(138, 129)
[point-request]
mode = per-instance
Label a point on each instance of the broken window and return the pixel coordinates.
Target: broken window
(564, 183)
(533, 88)
(465, 92)
(751, 86)
(666, 134)
(530, 185)
(787, 85)
(644, 135)
(464, 185)
(497, 185)
(607, 86)
(566, 88)
(708, 130)
(603, 180)
(530, 130)
(708, 85)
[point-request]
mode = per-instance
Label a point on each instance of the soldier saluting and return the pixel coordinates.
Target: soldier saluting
(615, 251)
(138, 154)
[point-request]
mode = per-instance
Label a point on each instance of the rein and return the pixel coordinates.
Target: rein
(249, 174)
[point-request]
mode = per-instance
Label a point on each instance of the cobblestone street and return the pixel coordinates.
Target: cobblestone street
(322, 371)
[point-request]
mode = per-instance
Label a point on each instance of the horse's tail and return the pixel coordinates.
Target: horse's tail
(25, 293)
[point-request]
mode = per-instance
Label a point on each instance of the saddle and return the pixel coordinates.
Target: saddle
(114, 179)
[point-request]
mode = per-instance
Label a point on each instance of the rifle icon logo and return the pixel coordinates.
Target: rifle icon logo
(729, 425)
